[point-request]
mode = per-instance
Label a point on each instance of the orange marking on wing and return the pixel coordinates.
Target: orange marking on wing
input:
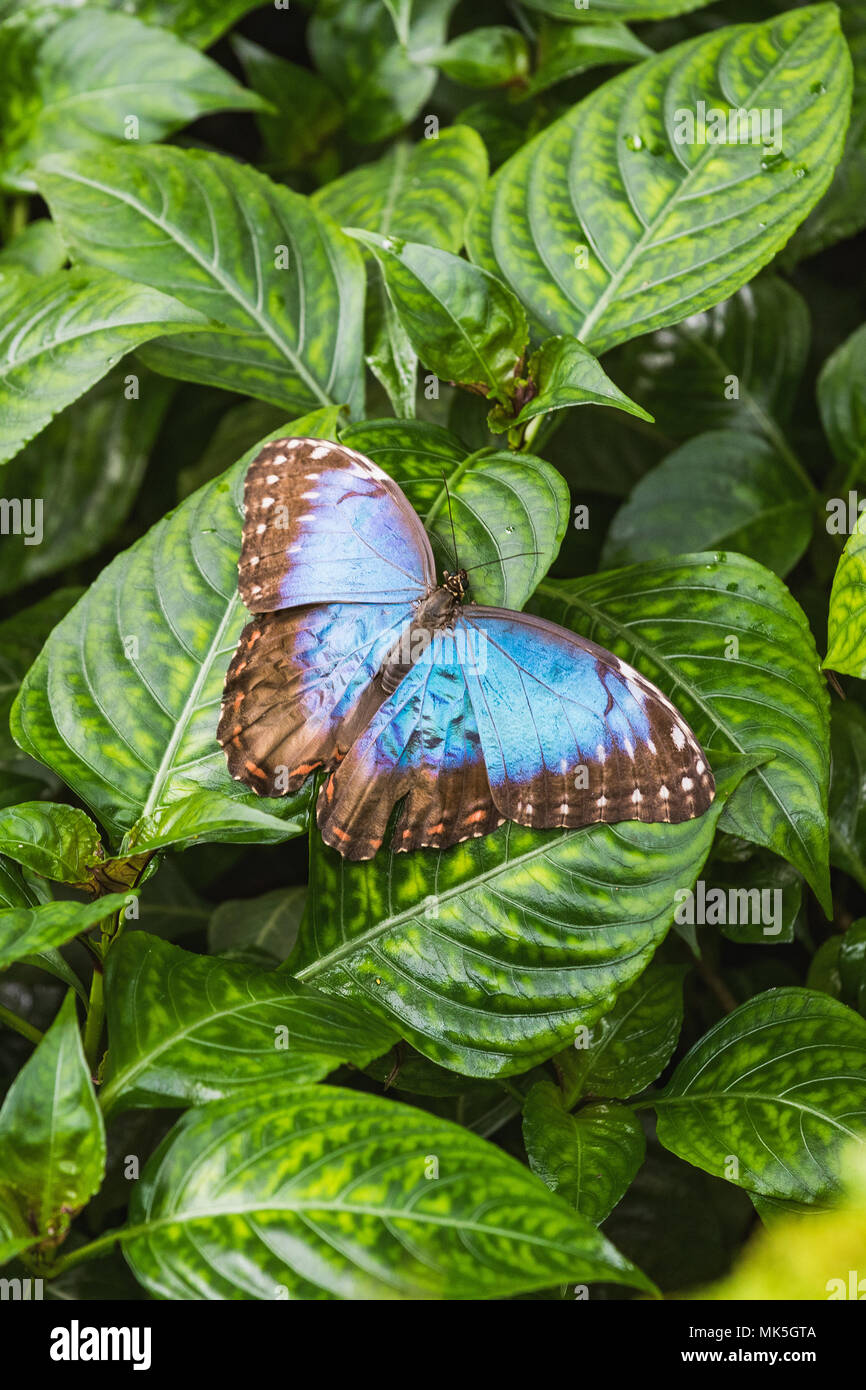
(437, 829)
(476, 817)
(256, 771)
(253, 638)
(340, 834)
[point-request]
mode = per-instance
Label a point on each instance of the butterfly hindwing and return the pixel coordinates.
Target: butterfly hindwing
(323, 524)
(302, 685)
(572, 735)
(422, 744)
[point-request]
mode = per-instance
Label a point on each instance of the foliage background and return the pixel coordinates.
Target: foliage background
(175, 289)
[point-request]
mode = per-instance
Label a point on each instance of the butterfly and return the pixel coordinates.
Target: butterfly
(359, 664)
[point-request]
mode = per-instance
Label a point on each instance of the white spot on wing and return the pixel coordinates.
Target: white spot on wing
(678, 737)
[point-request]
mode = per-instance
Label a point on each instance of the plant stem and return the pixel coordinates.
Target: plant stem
(17, 215)
(718, 986)
(95, 1019)
(20, 1025)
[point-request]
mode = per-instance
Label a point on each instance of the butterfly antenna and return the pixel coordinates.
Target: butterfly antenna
(451, 519)
(484, 564)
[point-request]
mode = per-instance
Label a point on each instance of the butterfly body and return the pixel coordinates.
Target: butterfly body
(361, 665)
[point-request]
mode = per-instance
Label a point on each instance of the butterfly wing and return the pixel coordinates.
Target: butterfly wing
(322, 524)
(422, 744)
(301, 686)
(571, 735)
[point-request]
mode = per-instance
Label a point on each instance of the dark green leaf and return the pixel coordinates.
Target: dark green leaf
(589, 1158)
(842, 402)
(846, 621)
(847, 788)
(91, 80)
(328, 1193)
(490, 955)
(206, 1027)
(768, 914)
(27, 930)
(198, 21)
(267, 924)
(565, 50)
(735, 491)
(492, 56)
(305, 111)
(566, 374)
(37, 248)
(21, 637)
(285, 284)
(579, 11)
(52, 1139)
(62, 332)
(607, 225)
(726, 642)
(631, 1044)
(59, 842)
(771, 1096)
(463, 323)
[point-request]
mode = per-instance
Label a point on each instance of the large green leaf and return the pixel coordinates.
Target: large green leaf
(316, 1192)
(123, 701)
(780, 1087)
(607, 226)
(491, 954)
(509, 510)
(198, 21)
(588, 1158)
(735, 366)
(52, 1139)
(462, 322)
(846, 621)
(735, 490)
(286, 285)
(726, 642)
(627, 1048)
(21, 636)
(354, 45)
(205, 1027)
(59, 842)
(78, 82)
(266, 927)
(87, 467)
(27, 930)
(848, 790)
(842, 402)
(419, 192)
(565, 50)
(61, 333)
(304, 111)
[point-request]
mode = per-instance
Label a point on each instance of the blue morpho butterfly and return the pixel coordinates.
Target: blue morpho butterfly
(358, 663)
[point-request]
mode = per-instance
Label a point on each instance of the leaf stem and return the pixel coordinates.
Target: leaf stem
(17, 216)
(95, 1019)
(20, 1025)
(92, 1251)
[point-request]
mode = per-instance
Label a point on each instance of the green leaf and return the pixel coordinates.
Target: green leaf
(53, 963)
(236, 432)
(419, 192)
(727, 643)
(123, 700)
(173, 217)
(62, 332)
(490, 955)
(735, 366)
(590, 1158)
(323, 1194)
(851, 964)
(206, 1028)
(846, 621)
(606, 226)
(354, 45)
(92, 80)
(463, 323)
(775, 892)
(615, 9)
(847, 783)
(267, 925)
(21, 637)
(87, 467)
(491, 56)
(52, 1139)
(206, 816)
(842, 401)
(390, 355)
(198, 21)
(780, 1086)
(36, 248)
(566, 374)
(27, 930)
(14, 890)
(502, 504)
(59, 842)
(735, 490)
(566, 50)
(631, 1044)
(305, 111)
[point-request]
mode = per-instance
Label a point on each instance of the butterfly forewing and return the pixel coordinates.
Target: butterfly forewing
(323, 524)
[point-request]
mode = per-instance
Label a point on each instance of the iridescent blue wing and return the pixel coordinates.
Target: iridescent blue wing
(422, 744)
(322, 524)
(570, 734)
(301, 686)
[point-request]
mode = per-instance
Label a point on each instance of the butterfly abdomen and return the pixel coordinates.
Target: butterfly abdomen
(436, 613)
